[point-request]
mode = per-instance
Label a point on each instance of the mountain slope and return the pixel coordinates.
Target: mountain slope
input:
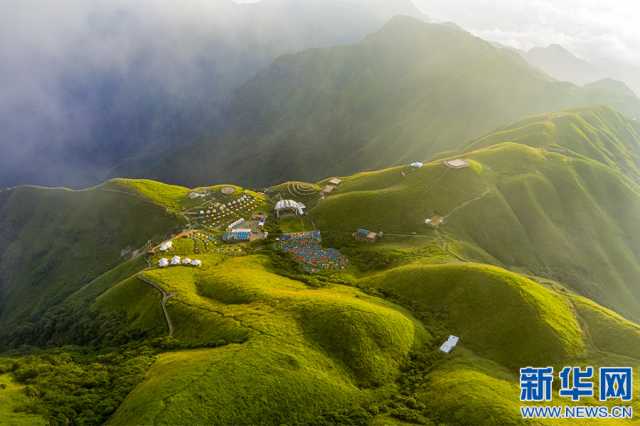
(599, 134)
(396, 96)
(569, 216)
(53, 241)
(563, 65)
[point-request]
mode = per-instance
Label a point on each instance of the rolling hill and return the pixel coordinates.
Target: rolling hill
(554, 196)
(396, 96)
(534, 263)
(54, 241)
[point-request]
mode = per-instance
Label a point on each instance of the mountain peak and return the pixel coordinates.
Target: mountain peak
(612, 85)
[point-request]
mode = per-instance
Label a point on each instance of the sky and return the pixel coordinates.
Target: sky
(596, 30)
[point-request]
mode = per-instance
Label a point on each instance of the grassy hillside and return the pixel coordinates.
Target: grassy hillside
(287, 353)
(563, 216)
(289, 368)
(12, 403)
(535, 264)
(54, 241)
(600, 134)
(395, 97)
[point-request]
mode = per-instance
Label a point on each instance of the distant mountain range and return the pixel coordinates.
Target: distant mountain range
(394, 97)
(563, 65)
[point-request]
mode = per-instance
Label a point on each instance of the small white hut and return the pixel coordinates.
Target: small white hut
(449, 344)
(163, 263)
(166, 245)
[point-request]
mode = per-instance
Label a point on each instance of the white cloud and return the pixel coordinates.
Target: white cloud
(593, 29)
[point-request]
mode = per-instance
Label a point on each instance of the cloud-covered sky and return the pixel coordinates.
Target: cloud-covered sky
(88, 83)
(596, 30)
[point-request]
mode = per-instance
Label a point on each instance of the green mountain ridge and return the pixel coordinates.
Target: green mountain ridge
(535, 263)
(397, 96)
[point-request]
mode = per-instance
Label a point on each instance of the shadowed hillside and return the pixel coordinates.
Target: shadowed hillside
(397, 96)
(53, 241)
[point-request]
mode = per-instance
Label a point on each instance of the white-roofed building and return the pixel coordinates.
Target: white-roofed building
(417, 165)
(335, 181)
(166, 245)
(458, 163)
(449, 344)
(235, 224)
(289, 206)
(186, 261)
(175, 260)
(196, 262)
(163, 263)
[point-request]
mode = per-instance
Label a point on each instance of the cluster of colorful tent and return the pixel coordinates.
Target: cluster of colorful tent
(305, 249)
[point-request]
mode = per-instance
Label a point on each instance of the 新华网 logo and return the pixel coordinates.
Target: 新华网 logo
(575, 383)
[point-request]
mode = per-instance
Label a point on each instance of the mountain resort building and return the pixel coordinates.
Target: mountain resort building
(163, 263)
(449, 344)
(236, 224)
(166, 245)
(366, 235)
(435, 221)
(238, 235)
(458, 163)
(289, 207)
(416, 165)
(328, 189)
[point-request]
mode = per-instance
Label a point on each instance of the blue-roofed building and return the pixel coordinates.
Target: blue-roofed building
(366, 235)
(237, 235)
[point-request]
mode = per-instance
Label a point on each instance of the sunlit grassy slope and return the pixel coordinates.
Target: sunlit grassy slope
(293, 353)
(564, 216)
(305, 351)
(12, 399)
(600, 134)
(501, 316)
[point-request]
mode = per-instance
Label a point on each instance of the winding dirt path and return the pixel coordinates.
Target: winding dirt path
(163, 303)
(466, 203)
